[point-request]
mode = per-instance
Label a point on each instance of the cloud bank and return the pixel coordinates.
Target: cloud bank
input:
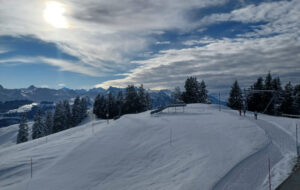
(135, 39)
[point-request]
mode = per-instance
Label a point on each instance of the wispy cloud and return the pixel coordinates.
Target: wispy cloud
(108, 36)
(61, 85)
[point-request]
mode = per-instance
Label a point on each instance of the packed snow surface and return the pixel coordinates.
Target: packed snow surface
(200, 148)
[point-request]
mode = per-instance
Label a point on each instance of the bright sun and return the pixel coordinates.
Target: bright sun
(54, 14)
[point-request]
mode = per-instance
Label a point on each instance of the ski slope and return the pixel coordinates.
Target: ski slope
(202, 148)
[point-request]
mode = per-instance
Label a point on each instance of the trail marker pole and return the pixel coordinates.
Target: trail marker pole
(31, 167)
(297, 140)
(219, 102)
(171, 136)
(92, 127)
(269, 167)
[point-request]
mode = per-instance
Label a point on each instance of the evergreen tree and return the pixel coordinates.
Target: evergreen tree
(23, 130)
(38, 129)
(131, 103)
(192, 92)
(76, 111)
(48, 123)
(255, 100)
(177, 95)
(267, 96)
(203, 97)
(112, 109)
(287, 103)
(67, 115)
(276, 84)
(96, 105)
(59, 118)
(119, 102)
(148, 101)
(297, 99)
(235, 100)
(100, 107)
(142, 99)
(83, 109)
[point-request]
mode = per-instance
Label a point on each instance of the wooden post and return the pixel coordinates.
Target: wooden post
(269, 166)
(31, 167)
(219, 102)
(171, 136)
(297, 149)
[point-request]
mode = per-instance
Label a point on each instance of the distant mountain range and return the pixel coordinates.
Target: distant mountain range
(15, 101)
(37, 94)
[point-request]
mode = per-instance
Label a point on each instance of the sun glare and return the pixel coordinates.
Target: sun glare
(54, 14)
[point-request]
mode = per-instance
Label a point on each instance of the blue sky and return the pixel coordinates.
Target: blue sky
(83, 44)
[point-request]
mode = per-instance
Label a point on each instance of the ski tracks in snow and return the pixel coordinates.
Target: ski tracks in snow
(249, 174)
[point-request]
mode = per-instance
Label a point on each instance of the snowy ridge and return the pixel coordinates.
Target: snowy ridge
(196, 149)
(24, 108)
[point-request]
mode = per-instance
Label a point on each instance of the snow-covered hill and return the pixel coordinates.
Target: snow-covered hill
(200, 148)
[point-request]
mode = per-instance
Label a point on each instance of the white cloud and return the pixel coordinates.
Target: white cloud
(4, 50)
(273, 46)
(61, 85)
(105, 35)
(163, 43)
(219, 63)
(44, 86)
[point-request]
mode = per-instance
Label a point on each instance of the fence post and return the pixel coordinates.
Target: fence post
(297, 149)
(269, 166)
(171, 136)
(219, 102)
(31, 167)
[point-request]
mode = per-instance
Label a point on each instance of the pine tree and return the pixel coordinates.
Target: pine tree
(83, 109)
(276, 84)
(67, 115)
(112, 109)
(38, 129)
(203, 97)
(287, 103)
(148, 101)
(255, 100)
(192, 92)
(142, 99)
(96, 105)
(177, 95)
(100, 107)
(131, 103)
(120, 102)
(23, 130)
(235, 100)
(297, 99)
(267, 96)
(48, 123)
(76, 112)
(59, 118)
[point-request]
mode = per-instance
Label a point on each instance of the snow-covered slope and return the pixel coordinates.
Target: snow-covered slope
(197, 149)
(8, 135)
